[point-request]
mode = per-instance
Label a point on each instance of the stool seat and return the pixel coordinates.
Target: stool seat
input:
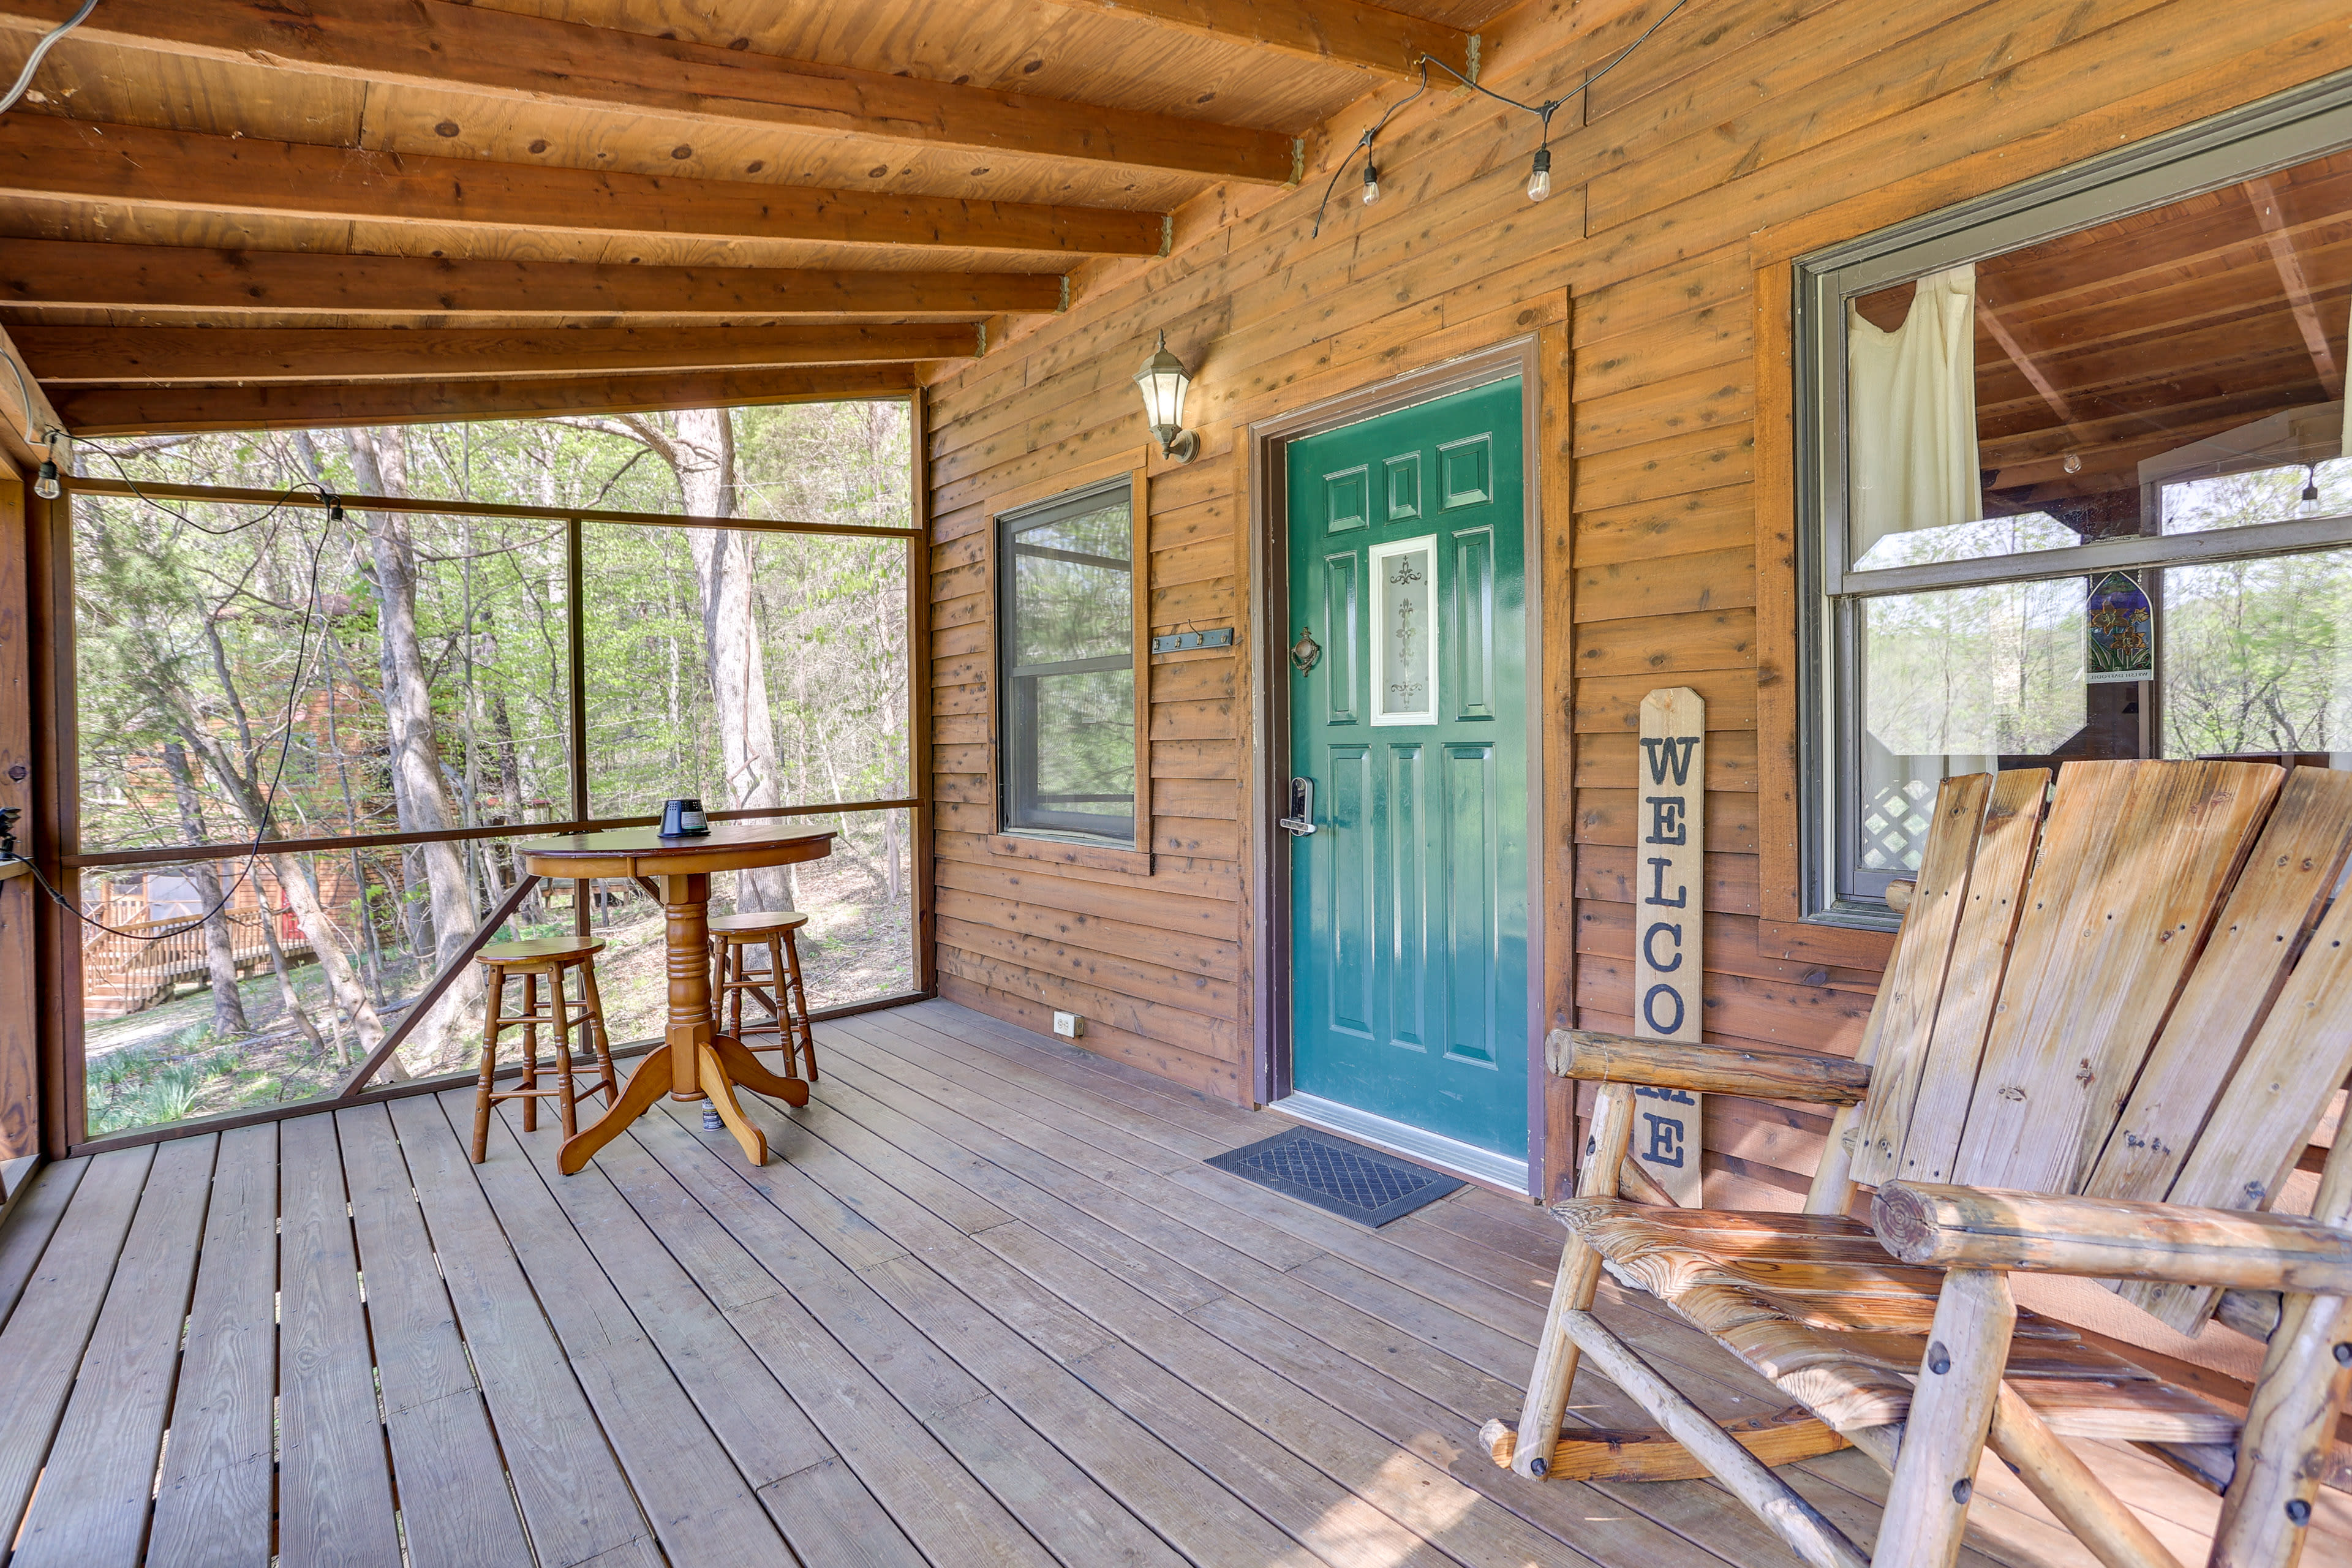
(758, 924)
(538, 950)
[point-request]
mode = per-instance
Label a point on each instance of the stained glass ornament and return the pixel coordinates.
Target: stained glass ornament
(2118, 631)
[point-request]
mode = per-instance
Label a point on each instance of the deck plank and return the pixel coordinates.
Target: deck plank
(1017, 1344)
(984, 1306)
(454, 1508)
(26, 1233)
(213, 1500)
(334, 1480)
(575, 1501)
(91, 1511)
(1571, 1512)
(705, 1325)
(1070, 1517)
(40, 1350)
(1346, 1356)
(704, 1510)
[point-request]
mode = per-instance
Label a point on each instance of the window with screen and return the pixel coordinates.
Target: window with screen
(2076, 482)
(1068, 729)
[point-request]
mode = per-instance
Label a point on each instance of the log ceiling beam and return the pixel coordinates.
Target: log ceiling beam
(129, 410)
(2279, 235)
(1338, 32)
(536, 60)
(164, 279)
(45, 156)
(78, 355)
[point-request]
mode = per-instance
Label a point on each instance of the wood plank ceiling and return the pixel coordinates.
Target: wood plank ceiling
(2132, 339)
(226, 214)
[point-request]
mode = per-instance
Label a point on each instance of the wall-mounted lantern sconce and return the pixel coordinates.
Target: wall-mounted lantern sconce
(1163, 382)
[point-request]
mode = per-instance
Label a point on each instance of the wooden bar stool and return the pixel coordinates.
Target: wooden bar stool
(553, 958)
(777, 988)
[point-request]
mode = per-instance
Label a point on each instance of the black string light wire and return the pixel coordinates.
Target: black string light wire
(1538, 174)
(310, 606)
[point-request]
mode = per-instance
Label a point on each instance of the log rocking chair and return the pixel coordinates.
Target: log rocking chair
(2116, 1015)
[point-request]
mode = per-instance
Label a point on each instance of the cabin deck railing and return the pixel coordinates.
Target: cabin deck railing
(130, 968)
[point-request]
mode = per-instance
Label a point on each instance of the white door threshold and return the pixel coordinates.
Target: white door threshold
(1481, 1165)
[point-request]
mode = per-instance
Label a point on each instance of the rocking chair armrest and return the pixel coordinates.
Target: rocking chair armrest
(1594, 1055)
(2110, 1238)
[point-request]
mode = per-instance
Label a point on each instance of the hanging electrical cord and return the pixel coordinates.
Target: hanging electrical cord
(24, 76)
(311, 605)
(1364, 145)
(1539, 177)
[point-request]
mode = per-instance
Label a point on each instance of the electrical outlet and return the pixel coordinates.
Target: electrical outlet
(1069, 1026)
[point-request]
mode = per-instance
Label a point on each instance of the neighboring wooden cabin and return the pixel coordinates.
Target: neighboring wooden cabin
(1656, 282)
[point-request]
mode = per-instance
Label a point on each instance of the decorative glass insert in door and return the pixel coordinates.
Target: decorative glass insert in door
(1405, 662)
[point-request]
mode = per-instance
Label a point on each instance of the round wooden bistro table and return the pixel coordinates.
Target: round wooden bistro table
(694, 1060)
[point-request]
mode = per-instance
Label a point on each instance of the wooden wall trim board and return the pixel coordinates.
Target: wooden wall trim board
(1779, 679)
(20, 1054)
(922, 847)
(1552, 1161)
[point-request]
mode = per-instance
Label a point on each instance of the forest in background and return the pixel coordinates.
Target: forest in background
(245, 671)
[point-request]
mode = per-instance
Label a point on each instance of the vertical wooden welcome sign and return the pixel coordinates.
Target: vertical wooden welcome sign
(1669, 951)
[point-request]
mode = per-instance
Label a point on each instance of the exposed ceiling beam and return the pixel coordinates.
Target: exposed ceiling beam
(2035, 376)
(30, 412)
(44, 155)
(127, 410)
(518, 58)
(70, 355)
(169, 278)
(1341, 32)
(2280, 236)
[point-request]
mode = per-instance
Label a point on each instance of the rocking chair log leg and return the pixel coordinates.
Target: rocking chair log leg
(1572, 1290)
(1951, 1411)
(2111, 1531)
(2267, 1510)
(1811, 1537)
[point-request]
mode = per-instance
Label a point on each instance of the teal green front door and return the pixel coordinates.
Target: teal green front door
(1408, 912)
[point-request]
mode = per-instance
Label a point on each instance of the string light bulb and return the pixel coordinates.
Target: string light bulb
(1539, 177)
(1372, 184)
(45, 483)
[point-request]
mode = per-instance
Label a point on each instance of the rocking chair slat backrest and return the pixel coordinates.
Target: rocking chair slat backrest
(2004, 857)
(2280, 894)
(2136, 860)
(2268, 1109)
(1895, 1041)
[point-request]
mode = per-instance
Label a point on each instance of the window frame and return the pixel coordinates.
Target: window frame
(2277, 132)
(1015, 835)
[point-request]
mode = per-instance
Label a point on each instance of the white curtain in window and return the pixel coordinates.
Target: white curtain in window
(1911, 414)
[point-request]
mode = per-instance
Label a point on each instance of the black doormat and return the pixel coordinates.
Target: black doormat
(1346, 1179)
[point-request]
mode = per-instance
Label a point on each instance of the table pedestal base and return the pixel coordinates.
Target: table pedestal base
(721, 1065)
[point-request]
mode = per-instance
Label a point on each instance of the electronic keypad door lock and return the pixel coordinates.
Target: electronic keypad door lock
(1301, 820)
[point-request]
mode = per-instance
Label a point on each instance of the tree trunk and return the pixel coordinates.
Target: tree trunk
(288, 997)
(420, 787)
(220, 946)
(703, 456)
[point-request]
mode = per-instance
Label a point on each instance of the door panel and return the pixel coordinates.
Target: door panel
(1348, 893)
(1408, 901)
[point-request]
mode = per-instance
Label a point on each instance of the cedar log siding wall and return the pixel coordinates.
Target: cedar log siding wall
(1746, 132)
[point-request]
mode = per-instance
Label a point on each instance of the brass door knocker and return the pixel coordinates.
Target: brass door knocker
(1306, 651)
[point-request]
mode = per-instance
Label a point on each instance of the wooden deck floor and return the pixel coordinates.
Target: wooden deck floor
(986, 1308)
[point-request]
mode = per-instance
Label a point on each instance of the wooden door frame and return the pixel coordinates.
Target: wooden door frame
(1266, 771)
